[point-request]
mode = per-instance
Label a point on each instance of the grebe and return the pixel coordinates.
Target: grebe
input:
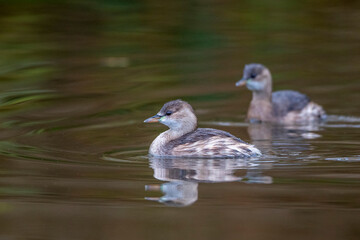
(287, 107)
(184, 139)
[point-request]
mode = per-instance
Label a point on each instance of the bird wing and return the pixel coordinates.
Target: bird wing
(287, 101)
(207, 142)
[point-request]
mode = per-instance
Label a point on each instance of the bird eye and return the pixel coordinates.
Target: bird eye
(168, 113)
(252, 75)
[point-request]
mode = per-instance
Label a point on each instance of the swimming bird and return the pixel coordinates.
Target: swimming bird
(185, 139)
(286, 107)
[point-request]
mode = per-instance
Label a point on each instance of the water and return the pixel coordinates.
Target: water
(78, 78)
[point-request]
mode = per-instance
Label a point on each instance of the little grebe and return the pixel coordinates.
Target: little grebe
(287, 107)
(184, 139)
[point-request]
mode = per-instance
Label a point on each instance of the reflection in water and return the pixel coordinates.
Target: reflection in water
(269, 131)
(282, 141)
(266, 135)
(176, 193)
(184, 174)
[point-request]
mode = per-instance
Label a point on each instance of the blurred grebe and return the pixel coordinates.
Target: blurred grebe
(287, 107)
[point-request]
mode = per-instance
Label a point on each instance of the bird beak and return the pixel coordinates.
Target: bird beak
(153, 119)
(153, 187)
(241, 82)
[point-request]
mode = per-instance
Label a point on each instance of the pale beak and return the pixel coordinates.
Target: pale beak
(241, 82)
(153, 119)
(153, 187)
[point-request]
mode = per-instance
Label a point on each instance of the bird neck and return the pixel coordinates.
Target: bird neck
(158, 146)
(184, 128)
(261, 106)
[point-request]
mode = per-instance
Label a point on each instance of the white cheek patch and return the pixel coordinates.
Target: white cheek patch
(254, 85)
(169, 122)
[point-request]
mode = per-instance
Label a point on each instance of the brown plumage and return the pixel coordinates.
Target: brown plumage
(286, 107)
(184, 139)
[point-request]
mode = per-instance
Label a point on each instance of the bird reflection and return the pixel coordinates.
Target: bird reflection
(182, 176)
(276, 137)
(176, 193)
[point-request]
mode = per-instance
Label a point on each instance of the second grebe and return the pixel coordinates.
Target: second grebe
(285, 107)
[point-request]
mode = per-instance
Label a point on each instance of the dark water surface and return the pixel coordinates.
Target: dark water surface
(78, 78)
